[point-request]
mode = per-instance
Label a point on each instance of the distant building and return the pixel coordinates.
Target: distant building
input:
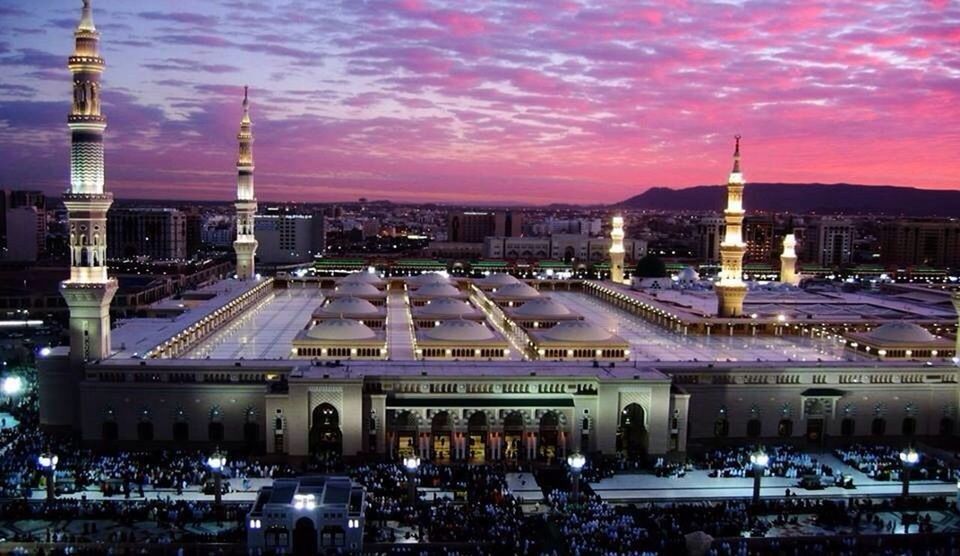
(194, 232)
(920, 242)
(157, 233)
(830, 241)
(474, 226)
(566, 247)
(708, 234)
(758, 231)
(289, 238)
(25, 234)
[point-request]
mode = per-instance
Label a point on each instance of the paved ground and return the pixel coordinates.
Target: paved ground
(7, 421)
(399, 327)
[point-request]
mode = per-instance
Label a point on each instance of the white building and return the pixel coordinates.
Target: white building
(567, 247)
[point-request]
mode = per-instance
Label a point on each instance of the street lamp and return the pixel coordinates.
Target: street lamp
(412, 464)
(12, 386)
(759, 460)
(48, 462)
(576, 461)
(908, 458)
(216, 462)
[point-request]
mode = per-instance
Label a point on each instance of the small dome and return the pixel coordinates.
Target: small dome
(498, 279)
(459, 331)
(577, 331)
(358, 290)
(688, 274)
(361, 278)
(340, 330)
(900, 333)
(437, 290)
(447, 307)
(542, 307)
(428, 278)
(518, 290)
(349, 306)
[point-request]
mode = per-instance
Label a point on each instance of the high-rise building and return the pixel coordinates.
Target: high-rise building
(25, 232)
(245, 245)
(709, 234)
(758, 231)
(731, 290)
(285, 237)
(474, 226)
(157, 233)
(89, 290)
(831, 240)
(927, 242)
(194, 231)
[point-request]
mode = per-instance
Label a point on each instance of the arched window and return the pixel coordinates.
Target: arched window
(145, 431)
(878, 427)
(848, 427)
(754, 428)
(721, 428)
(215, 431)
(110, 432)
(785, 428)
(946, 426)
(909, 427)
(181, 431)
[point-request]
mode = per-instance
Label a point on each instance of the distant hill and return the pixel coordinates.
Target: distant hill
(805, 198)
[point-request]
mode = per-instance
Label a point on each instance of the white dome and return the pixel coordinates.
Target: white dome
(428, 278)
(459, 331)
(688, 274)
(498, 279)
(518, 290)
(577, 331)
(341, 330)
(447, 307)
(900, 333)
(542, 307)
(358, 290)
(437, 290)
(349, 306)
(361, 278)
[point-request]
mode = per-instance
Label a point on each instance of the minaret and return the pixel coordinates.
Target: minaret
(89, 290)
(616, 250)
(246, 244)
(731, 290)
(788, 261)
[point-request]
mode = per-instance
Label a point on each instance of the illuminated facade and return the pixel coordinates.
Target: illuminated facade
(89, 290)
(245, 245)
(788, 261)
(731, 290)
(616, 250)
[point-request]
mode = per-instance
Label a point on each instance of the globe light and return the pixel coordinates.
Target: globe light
(576, 461)
(759, 458)
(45, 351)
(909, 456)
(217, 461)
(48, 460)
(12, 385)
(411, 463)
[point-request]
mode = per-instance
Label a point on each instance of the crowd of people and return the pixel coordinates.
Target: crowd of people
(784, 461)
(883, 463)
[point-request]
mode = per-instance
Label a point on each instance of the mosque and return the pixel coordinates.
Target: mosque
(482, 369)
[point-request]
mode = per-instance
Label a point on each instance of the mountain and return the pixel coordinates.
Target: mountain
(805, 198)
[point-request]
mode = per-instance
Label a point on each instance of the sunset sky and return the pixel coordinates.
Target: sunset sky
(489, 101)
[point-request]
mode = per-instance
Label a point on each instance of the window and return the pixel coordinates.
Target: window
(721, 428)
(785, 428)
(754, 428)
(848, 427)
(909, 427)
(878, 427)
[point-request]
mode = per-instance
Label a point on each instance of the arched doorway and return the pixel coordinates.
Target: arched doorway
(549, 435)
(145, 431)
(181, 431)
(754, 428)
(110, 432)
(946, 426)
(441, 429)
(325, 435)
(477, 437)
(304, 537)
(513, 435)
(251, 435)
(632, 432)
(404, 431)
(215, 431)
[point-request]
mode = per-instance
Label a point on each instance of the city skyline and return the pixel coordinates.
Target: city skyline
(416, 101)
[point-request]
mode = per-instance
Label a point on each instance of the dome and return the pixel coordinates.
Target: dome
(428, 278)
(361, 278)
(358, 290)
(446, 306)
(341, 330)
(577, 331)
(519, 290)
(437, 290)
(688, 274)
(650, 267)
(459, 331)
(349, 306)
(542, 307)
(498, 279)
(900, 333)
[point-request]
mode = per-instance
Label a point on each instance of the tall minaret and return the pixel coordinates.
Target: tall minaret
(788, 261)
(246, 243)
(731, 290)
(616, 250)
(88, 291)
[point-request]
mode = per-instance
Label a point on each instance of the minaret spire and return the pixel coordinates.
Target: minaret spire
(731, 290)
(245, 245)
(616, 249)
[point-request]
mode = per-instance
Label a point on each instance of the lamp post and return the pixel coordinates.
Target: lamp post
(216, 462)
(48, 462)
(908, 458)
(412, 464)
(759, 459)
(576, 461)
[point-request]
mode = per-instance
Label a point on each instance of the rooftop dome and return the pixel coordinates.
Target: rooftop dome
(446, 306)
(459, 331)
(900, 333)
(688, 274)
(577, 331)
(362, 278)
(498, 279)
(437, 290)
(428, 278)
(542, 307)
(349, 306)
(518, 289)
(341, 330)
(358, 290)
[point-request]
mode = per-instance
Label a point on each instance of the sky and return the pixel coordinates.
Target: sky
(454, 101)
